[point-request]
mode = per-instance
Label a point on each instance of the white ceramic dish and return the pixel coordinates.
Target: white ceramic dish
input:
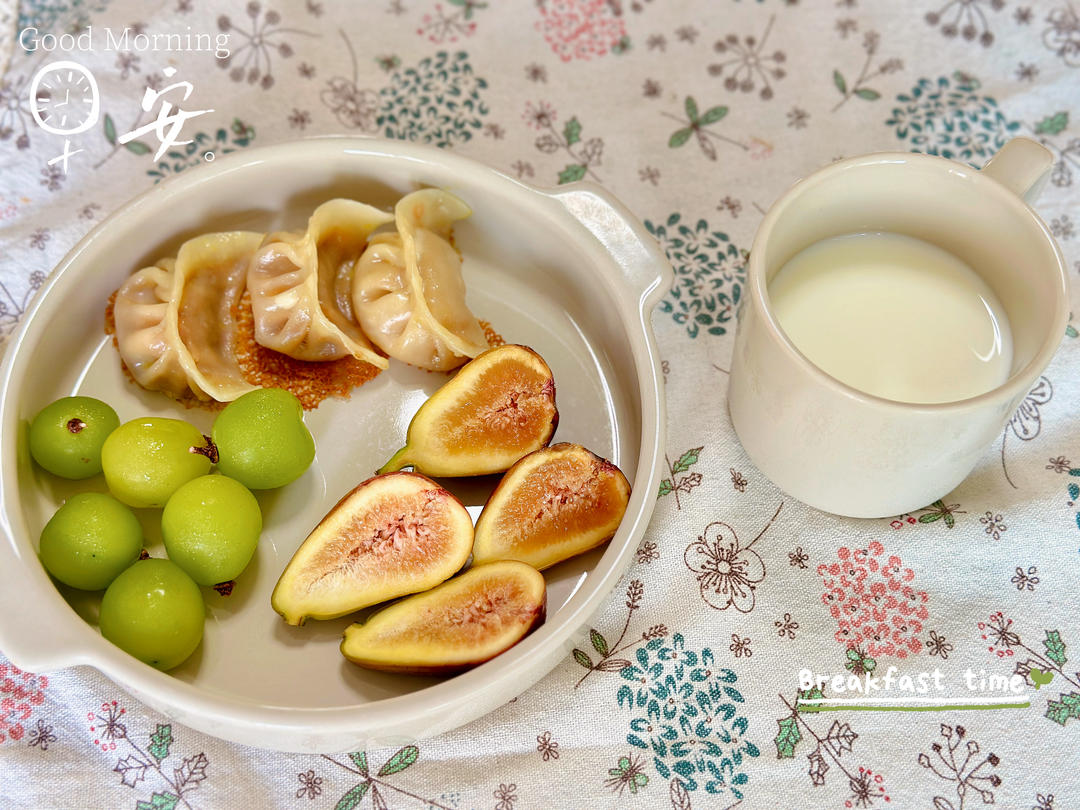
(568, 272)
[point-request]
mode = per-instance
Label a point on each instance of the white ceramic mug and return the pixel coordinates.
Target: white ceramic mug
(851, 453)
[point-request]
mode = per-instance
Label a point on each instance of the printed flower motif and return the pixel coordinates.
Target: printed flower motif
(52, 177)
(1062, 36)
(438, 101)
(744, 64)
(507, 795)
(581, 29)
(310, 784)
(687, 715)
(548, 748)
(725, 572)
(994, 525)
(41, 736)
(40, 238)
(873, 601)
(107, 725)
(786, 626)
(710, 272)
(21, 693)
(998, 631)
(647, 552)
(865, 787)
(948, 117)
(252, 59)
(442, 27)
(965, 18)
(299, 119)
(539, 116)
(628, 774)
(1059, 464)
(353, 107)
(738, 480)
(798, 558)
(937, 645)
(740, 646)
(1025, 579)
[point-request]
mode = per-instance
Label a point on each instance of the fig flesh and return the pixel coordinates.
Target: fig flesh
(499, 407)
(461, 623)
(552, 505)
(393, 535)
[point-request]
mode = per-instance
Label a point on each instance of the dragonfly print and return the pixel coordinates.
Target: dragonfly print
(1026, 423)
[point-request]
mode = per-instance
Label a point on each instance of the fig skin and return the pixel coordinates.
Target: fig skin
(499, 407)
(554, 504)
(456, 626)
(357, 557)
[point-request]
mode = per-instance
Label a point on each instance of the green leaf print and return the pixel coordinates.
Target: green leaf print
(572, 131)
(868, 94)
(160, 741)
(583, 658)
(1052, 124)
(359, 759)
(351, 799)
(713, 115)
(1055, 647)
(666, 488)
(137, 148)
(680, 136)
(691, 109)
(599, 643)
(686, 460)
(813, 693)
(400, 761)
(159, 801)
(110, 129)
(838, 80)
(1066, 708)
(572, 173)
(787, 738)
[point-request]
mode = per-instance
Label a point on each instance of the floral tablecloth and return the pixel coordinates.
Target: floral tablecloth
(697, 115)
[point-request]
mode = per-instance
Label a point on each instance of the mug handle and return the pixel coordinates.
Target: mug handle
(1022, 166)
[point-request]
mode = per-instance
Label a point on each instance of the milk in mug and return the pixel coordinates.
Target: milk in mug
(893, 316)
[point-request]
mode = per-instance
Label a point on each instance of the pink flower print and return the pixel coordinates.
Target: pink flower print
(876, 609)
(21, 691)
(894, 569)
(725, 572)
(580, 29)
(12, 715)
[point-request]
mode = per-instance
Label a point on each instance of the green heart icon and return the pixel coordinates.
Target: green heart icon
(1040, 678)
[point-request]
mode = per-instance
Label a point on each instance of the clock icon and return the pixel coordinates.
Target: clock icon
(64, 98)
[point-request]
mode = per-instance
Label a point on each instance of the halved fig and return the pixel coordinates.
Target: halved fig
(391, 536)
(553, 504)
(499, 407)
(461, 623)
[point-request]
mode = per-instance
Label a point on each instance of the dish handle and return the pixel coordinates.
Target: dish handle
(36, 629)
(644, 265)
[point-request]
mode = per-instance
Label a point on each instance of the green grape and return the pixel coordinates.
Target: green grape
(155, 612)
(262, 440)
(211, 526)
(146, 460)
(90, 540)
(66, 436)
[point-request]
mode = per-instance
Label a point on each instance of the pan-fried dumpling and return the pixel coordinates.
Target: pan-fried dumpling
(145, 332)
(209, 278)
(408, 292)
(174, 320)
(300, 285)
